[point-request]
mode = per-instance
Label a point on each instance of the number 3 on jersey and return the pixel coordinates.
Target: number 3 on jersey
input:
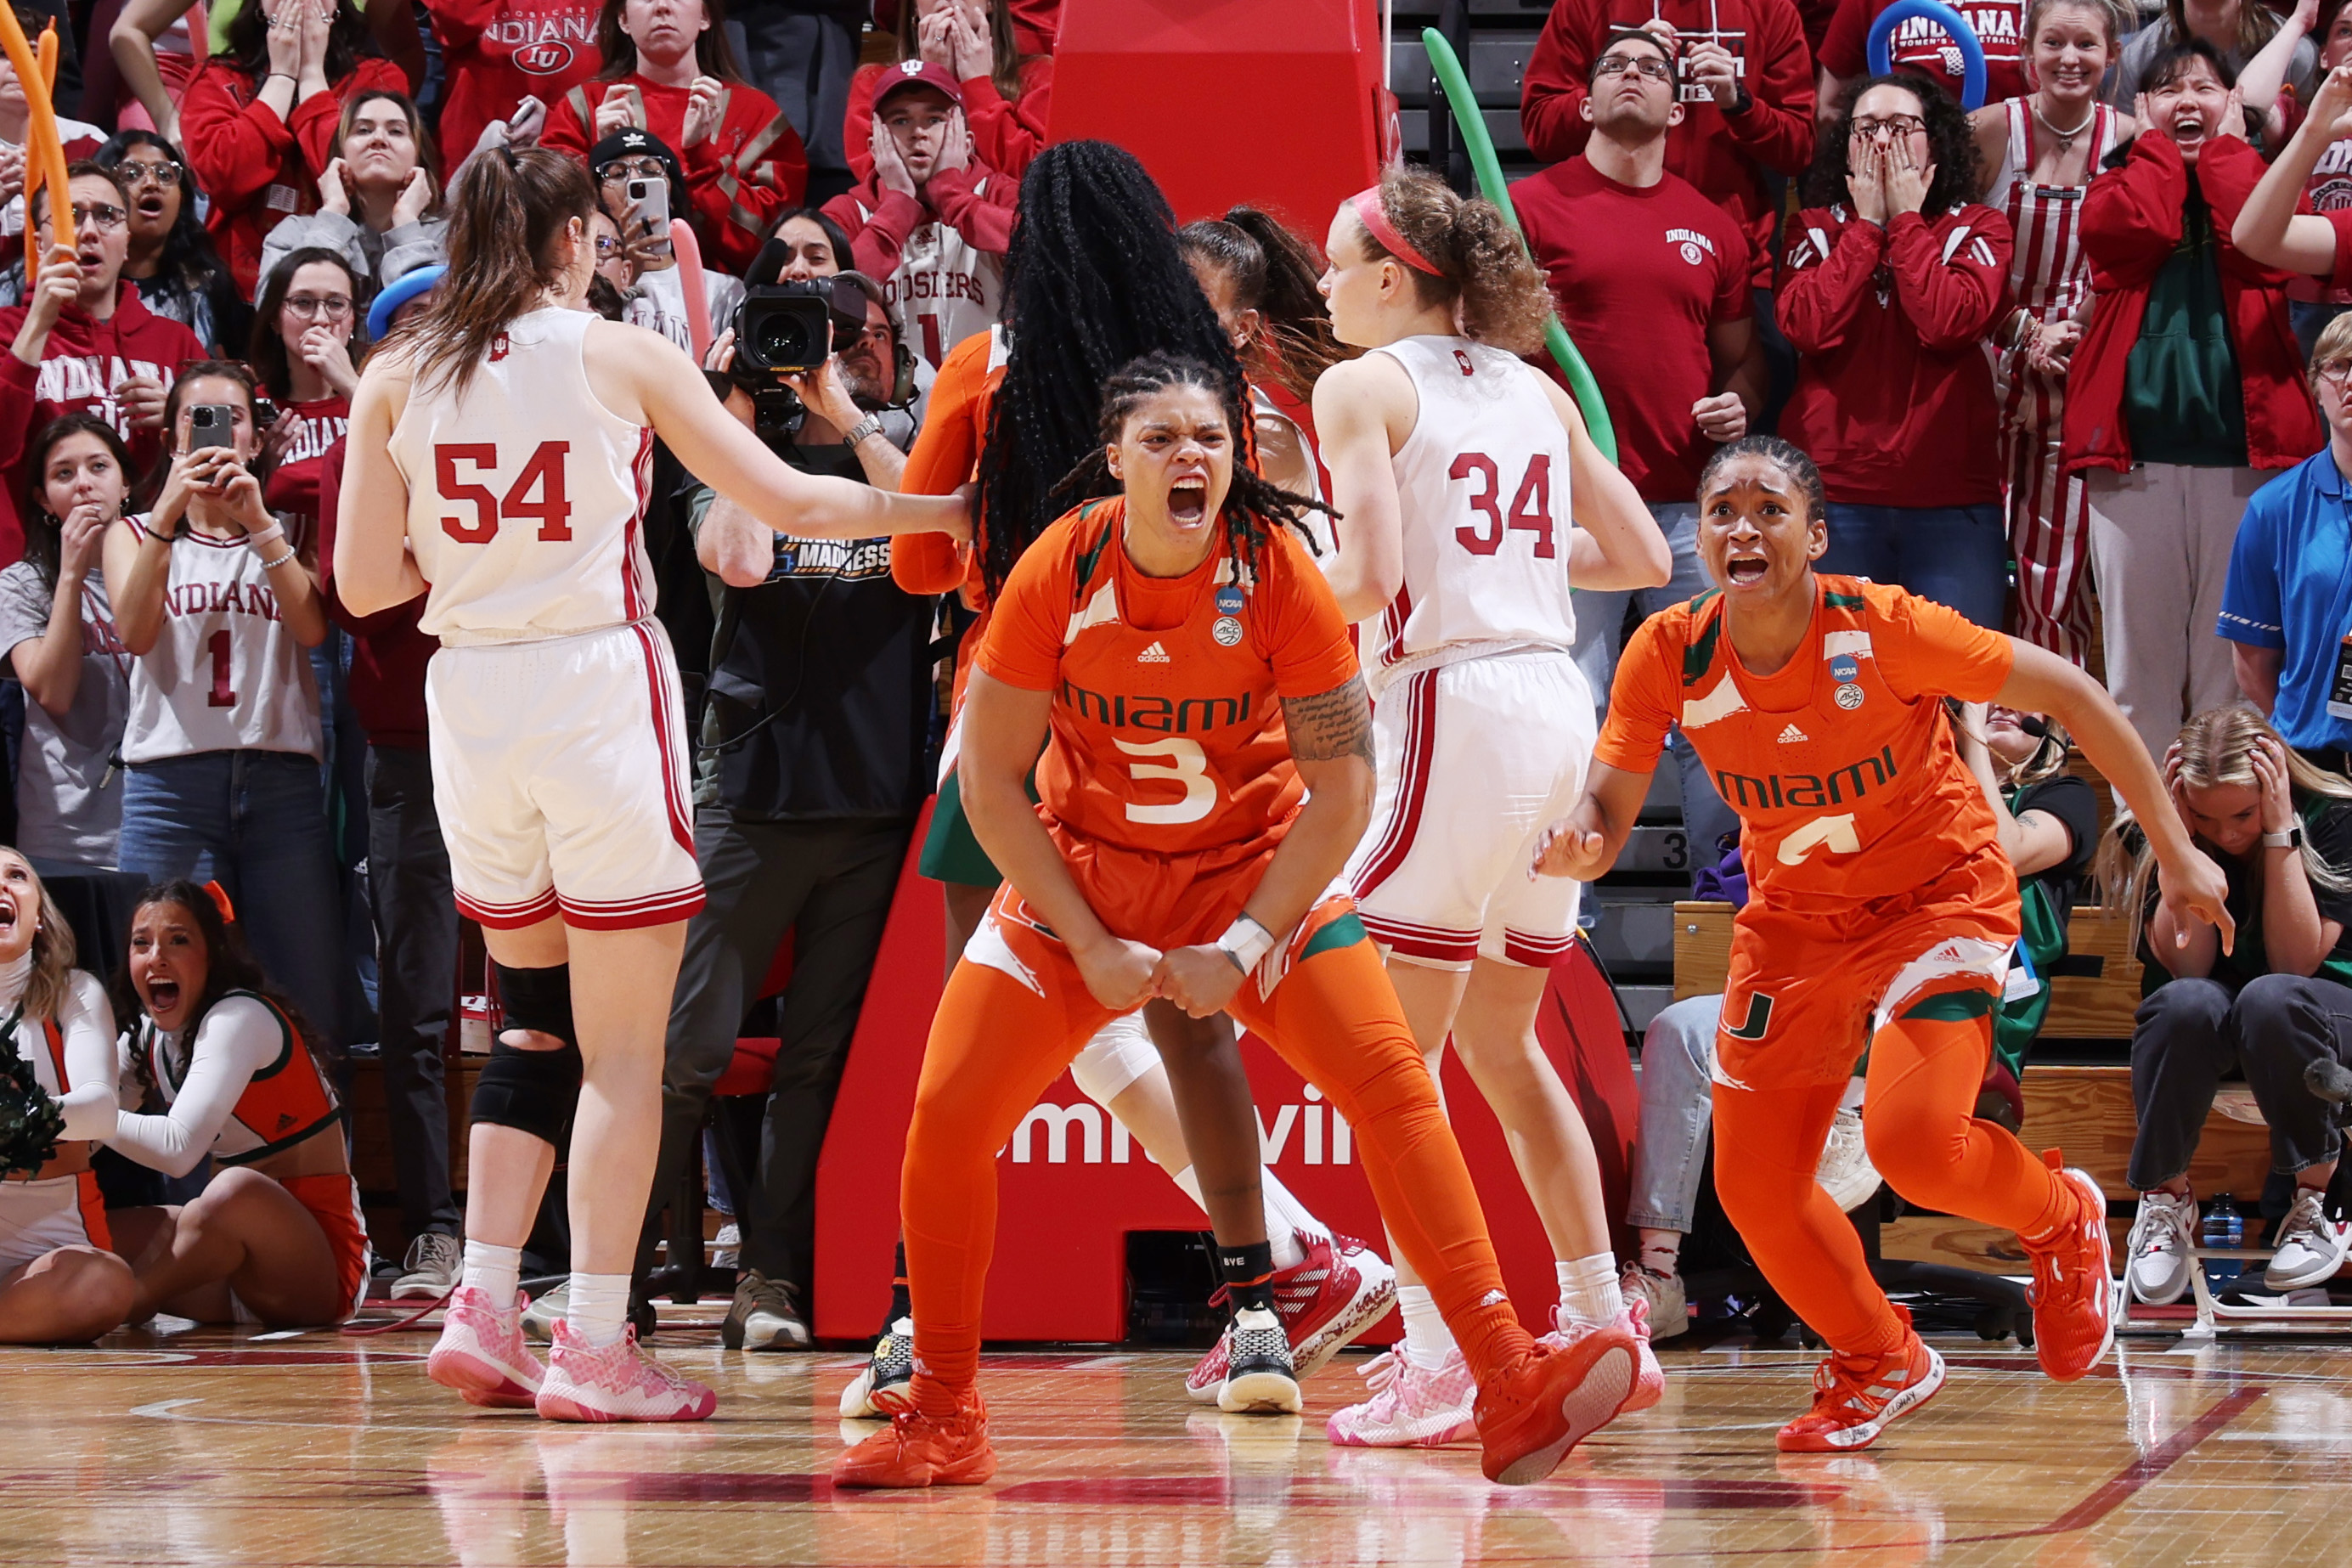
(1530, 506)
(1184, 763)
(543, 473)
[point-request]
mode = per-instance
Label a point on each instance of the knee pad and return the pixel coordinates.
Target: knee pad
(539, 1000)
(1112, 1062)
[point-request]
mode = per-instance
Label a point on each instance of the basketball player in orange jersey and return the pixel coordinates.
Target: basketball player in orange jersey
(1206, 769)
(1473, 499)
(499, 453)
(1881, 913)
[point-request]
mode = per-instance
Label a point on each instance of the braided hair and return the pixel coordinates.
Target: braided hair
(1094, 280)
(1252, 505)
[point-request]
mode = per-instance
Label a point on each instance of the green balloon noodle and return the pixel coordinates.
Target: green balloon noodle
(1481, 146)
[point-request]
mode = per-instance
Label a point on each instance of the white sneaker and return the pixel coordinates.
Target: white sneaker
(890, 1370)
(1846, 1171)
(1669, 1308)
(2311, 1245)
(482, 1353)
(539, 1319)
(2162, 1246)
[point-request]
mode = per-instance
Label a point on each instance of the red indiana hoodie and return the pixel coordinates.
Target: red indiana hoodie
(83, 362)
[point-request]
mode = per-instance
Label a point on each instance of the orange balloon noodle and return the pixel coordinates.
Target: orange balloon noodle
(690, 277)
(45, 157)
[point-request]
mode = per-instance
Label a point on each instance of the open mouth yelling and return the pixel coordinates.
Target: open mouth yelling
(1188, 500)
(2188, 126)
(1746, 570)
(8, 915)
(162, 997)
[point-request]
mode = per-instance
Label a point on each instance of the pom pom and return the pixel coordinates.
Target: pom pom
(30, 1122)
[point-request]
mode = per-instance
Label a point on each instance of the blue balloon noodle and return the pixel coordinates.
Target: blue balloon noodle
(1972, 66)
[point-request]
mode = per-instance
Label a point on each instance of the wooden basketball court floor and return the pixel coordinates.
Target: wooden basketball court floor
(210, 1447)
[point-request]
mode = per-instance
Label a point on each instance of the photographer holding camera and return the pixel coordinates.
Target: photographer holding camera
(813, 765)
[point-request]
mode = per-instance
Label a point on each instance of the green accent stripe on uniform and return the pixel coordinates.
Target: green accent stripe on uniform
(1092, 555)
(1699, 656)
(1844, 601)
(1345, 932)
(1952, 1006)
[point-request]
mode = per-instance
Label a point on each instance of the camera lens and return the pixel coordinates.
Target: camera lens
(783, 339)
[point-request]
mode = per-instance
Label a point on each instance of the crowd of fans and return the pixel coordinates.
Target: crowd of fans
(2046, 355)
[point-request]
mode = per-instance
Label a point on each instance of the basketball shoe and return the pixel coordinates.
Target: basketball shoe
(1325, 1301)
(1650, 1380)
(2163, 1247)
(1668, 1307)
(890, 1371)
(1259, 1375)
(482, 1354)
(919, 1450)
(2073, 1288)
(1854, 1397)
(1411, 1406)
(1532, 1412)
(618, 1381)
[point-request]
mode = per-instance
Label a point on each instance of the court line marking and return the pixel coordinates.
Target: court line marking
(162, 1407)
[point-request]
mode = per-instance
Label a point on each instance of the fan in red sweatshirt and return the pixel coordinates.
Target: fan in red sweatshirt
(1007, 132)
(498, 52)
(1726, 151)
(259, 166)
(1917, 44)
(81, 363)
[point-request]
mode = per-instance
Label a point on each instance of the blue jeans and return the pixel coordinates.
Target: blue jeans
(1677, 1108)
(1955, 555)
(256, 823)
(1600, 638)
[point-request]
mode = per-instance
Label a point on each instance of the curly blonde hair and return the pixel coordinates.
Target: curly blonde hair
(53, 951)
(1484, 270)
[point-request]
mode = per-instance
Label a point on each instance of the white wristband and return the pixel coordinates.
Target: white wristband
(270, 535)
(1246, 943)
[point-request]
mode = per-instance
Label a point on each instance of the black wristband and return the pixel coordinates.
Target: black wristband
(1742, 100)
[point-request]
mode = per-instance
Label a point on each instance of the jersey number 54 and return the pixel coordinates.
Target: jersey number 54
(543, 473)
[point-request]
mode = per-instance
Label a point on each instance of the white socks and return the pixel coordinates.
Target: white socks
(1285, 1218)
(495, 1272)
(1588, 1289)
(1851, 1099)
(1427, 1340)
(599, 1308)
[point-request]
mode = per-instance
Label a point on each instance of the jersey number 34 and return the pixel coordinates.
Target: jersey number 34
(551, 509)
(1530, 506)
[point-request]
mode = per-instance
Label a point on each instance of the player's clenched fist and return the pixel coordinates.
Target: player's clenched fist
(1201, 980)
(1573, 846)
(1120, 972)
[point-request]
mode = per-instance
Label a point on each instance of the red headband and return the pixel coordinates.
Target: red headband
(1375, 220)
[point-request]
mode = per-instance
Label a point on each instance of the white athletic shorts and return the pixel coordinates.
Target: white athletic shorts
(560, 775)
(1477, 758)
(38, 1217)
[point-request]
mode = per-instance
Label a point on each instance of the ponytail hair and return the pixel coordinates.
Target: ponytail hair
(229, 964)
(1484, 270)
(506, 214)
(1275, 273)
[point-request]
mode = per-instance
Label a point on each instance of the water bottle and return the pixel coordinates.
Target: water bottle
(2223, 1227)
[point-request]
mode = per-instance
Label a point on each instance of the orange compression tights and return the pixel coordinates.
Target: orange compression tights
(1923, 1081)
(997, 1042)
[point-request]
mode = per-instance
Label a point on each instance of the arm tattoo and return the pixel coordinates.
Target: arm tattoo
(1330, 724)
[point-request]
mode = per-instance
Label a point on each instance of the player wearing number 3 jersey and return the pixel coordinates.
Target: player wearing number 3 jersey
(1461, 477)
(1881, 914)
(1205, 771)
(498, 461)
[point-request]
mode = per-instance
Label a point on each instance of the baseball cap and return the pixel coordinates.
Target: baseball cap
(918, 73)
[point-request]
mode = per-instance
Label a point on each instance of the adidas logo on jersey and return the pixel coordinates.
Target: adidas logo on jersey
(1155, 654)
(1793, 735)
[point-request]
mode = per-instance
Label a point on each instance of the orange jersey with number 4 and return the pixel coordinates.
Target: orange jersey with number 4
(1167, 718)
(1841, 764)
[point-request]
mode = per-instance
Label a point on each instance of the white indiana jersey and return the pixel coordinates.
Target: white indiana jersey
(945, 288)
(1483, 482)
(526, 495)
(224, 674)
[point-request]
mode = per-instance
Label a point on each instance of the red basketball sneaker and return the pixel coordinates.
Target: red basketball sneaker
(1854, 1397)
(1536, 1411)
(1325, 1301)
(2073, 1288)
(919, 1450)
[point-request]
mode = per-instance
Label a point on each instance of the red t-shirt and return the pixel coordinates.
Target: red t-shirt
(1922, 46)
(498, 51)
(305, 432)
(1640, 275)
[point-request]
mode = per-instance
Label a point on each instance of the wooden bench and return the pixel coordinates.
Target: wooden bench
(2084, 1109)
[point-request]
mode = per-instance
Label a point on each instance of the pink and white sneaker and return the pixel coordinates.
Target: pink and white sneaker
(1649, 1378)
(1411, 1407)
(619, 1382)
(482, 1355)
(1325, 1301)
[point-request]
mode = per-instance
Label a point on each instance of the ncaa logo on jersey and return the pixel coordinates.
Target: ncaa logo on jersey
(1463, 361)
(1843, 667)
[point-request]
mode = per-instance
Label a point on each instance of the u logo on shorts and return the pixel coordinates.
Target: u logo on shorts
(1759, 1018)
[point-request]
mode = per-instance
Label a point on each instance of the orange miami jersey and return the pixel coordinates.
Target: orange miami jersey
(1168, 747)
(1874, 865)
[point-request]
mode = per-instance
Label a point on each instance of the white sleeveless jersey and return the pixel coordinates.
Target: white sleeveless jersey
(224, 674)
(526, 495)
(1484, 486)
(945, 288)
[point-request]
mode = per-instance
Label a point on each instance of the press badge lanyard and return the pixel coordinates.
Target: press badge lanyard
(2339, 685)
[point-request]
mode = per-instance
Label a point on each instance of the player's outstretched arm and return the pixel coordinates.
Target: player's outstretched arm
(1331, 744)
(1587, 841)
(676, 400)
(1364, 409)
(2194, 890)
(1617, 544)
(1004, 731)
(374, 569)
